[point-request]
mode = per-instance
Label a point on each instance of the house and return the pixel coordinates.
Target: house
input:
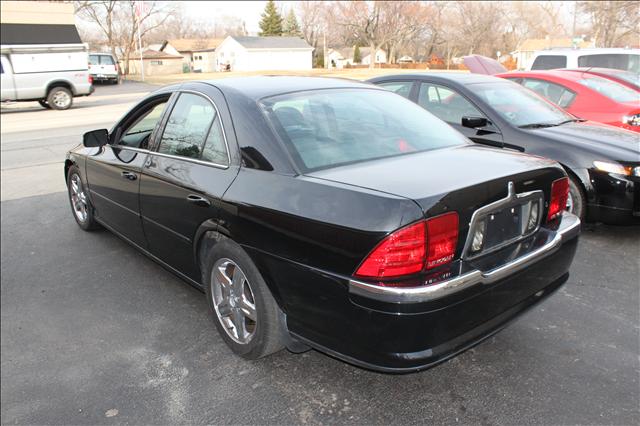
(198, 55)
(340, 58)
(264, 53)
(155, 63)
(524, 53)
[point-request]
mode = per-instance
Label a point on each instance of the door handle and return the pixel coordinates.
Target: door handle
(198, 200)
(129, 175)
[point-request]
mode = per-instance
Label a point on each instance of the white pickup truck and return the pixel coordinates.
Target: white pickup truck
(50, 74)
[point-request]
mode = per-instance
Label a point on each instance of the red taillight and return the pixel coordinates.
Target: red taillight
(442, 239)
(401, 253)
(408, 250)
(90, 79)
(559, 196)
(117, 69)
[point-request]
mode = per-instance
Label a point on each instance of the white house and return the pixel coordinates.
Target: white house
(199, 55)
(340, 58)
(264, 53)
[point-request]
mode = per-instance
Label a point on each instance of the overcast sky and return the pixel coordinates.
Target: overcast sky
(248, 11)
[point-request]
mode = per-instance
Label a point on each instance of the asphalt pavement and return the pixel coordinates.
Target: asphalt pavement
(93, 332)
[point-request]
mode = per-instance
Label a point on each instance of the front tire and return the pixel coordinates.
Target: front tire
(60, 98)
(576, 203)
(244, 311)
(80, 204)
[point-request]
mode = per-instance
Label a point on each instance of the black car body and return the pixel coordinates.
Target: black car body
(313, 233)
(602, 161)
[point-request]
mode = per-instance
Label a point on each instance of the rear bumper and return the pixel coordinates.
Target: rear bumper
(403, 330)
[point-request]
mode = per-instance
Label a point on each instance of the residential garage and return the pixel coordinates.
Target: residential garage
(264, 53)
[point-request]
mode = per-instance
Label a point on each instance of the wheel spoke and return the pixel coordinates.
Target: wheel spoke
(238, 281)
(223, 307)
(222, 277)
(239, 324)
(248, 308)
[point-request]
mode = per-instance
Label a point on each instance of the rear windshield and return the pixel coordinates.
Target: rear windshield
(611, 89)
(101, 60)
(328, 128)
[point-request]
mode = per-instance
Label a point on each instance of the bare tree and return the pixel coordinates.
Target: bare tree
(612, 22)
(118, 22)
(313, 25)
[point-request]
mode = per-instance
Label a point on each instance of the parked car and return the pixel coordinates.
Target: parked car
(51, 75)
(626, 78)
(328, 213)
(617, 58)
(603, 162)
(104, 67)
(585, 95)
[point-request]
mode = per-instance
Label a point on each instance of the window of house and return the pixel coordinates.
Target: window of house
(156, 62)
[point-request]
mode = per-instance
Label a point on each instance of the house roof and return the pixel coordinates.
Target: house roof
(272, 42)
(193, 44)
(533, 44)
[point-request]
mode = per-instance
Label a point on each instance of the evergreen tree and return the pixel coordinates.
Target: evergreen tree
(271, 22)
(291, 27)
(357, 57)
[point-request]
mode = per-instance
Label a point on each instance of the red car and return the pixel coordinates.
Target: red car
(585, 95)
(626, 78)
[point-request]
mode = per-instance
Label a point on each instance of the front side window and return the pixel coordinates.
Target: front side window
(549, 62)
(187, 127)
(328, 128)
(402, 88)
(445, 103)
(556, 93)
(611, 89)
(519, 106)
(137, 134)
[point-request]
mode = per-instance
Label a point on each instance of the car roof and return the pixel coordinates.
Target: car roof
(560, 74)
(462, 78)
(259, 87)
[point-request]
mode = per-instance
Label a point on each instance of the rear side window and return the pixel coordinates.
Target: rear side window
(555, 93)
(328, 128)
(445, 103)
(187, 127)
(215, 149)
(402, 88)
(549, 62)
(619, 61)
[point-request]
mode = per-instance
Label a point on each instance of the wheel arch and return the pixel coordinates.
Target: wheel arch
(60, 83)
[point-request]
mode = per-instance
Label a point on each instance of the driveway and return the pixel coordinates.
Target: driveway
(92, 332)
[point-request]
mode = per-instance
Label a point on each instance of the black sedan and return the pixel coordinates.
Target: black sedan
(603, 162)
(328, 214)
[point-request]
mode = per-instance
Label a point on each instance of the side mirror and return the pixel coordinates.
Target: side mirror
(474, 122)
(95, 138)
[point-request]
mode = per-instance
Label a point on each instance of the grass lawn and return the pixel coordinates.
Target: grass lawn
(353, 73)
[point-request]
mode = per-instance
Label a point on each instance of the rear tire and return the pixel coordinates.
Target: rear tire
(236, 292)
(43, 103)
(60, 98)
(576, 203)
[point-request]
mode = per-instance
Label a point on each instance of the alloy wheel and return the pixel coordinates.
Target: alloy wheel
(78, 199)
(233, 301)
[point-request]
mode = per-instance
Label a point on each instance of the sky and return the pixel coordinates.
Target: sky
(248, 11)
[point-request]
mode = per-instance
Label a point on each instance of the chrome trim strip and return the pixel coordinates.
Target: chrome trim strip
(569, 226)
(191, 160)
(511, 199)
